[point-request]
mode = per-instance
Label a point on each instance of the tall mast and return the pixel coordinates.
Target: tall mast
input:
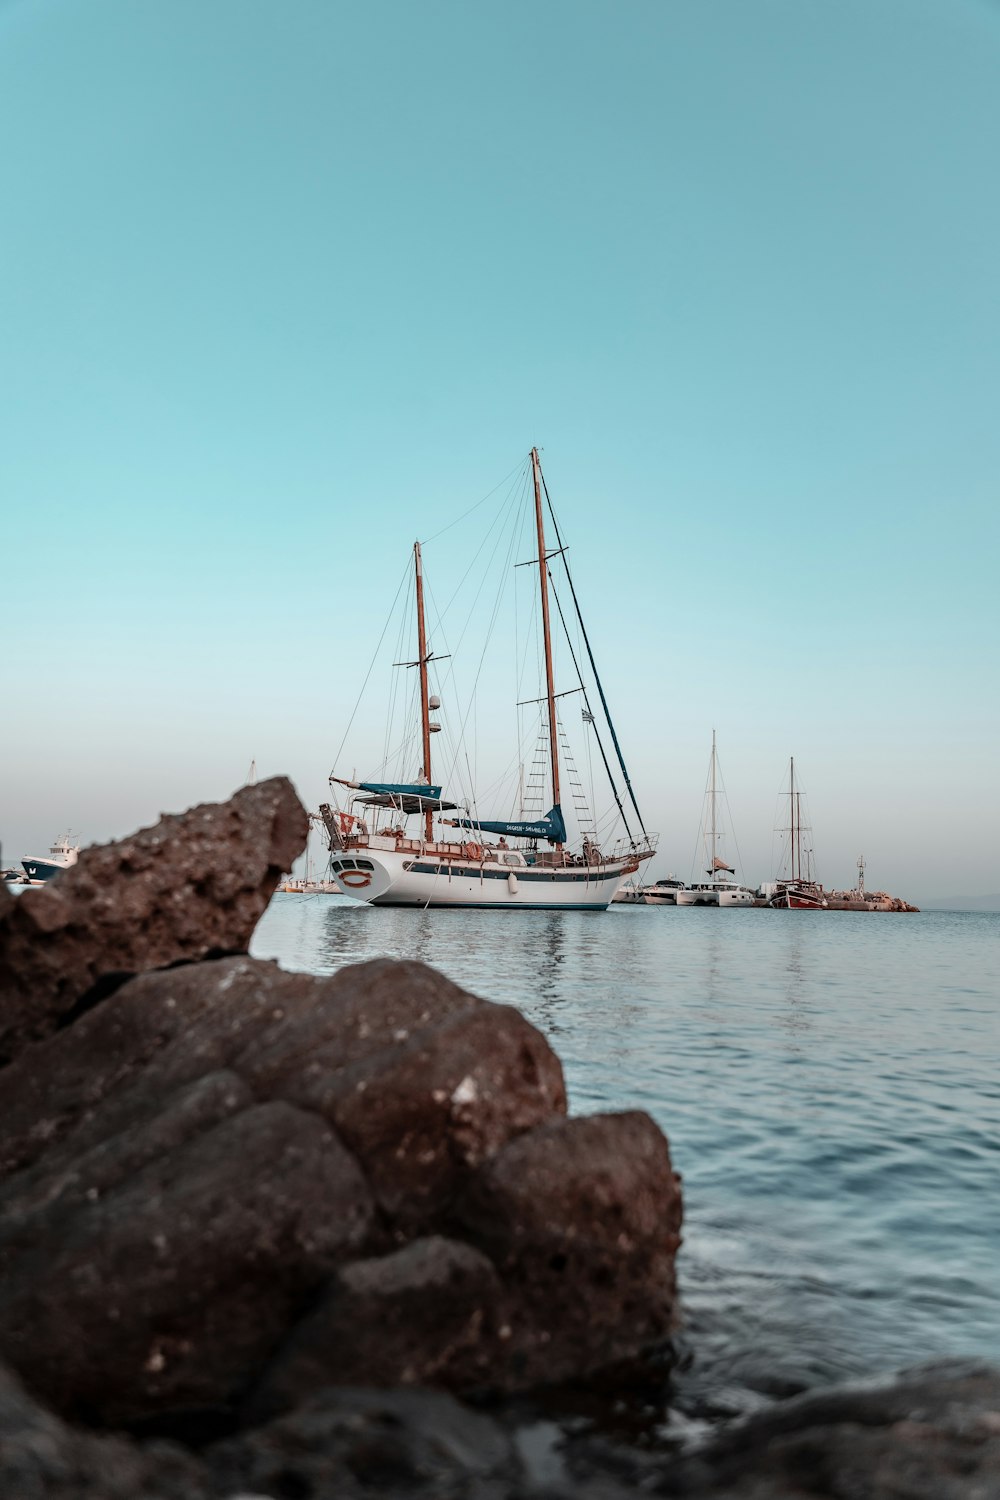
(712, 860)
(543, 579)
(791, 805)
(425, 711)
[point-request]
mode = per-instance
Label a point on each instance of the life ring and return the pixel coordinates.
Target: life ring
(346, 821)
(358, 879)
(473, 851)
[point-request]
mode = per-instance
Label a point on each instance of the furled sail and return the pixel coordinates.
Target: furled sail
(550, 827)
(720, 864)
(398, 789)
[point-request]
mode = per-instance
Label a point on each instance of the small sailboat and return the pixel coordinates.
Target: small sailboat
(720, 889)
(799, 891)
(378, 856)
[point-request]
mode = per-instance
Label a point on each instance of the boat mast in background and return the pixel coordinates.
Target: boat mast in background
(422, 660)
(546, 633)
(796, 873)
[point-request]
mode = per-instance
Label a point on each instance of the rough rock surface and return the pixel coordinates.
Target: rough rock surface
(224, 1185)
(933, 1434)
(194, 885)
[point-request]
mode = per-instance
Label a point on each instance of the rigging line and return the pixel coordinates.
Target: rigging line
(519, 465)
(394, 680)
(505, 519)
(729, 815)
(490, 628)
(371, 665)
(497, 522)
(593, 664)
(593, 726)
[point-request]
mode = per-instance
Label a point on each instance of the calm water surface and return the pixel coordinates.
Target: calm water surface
(829, 1084)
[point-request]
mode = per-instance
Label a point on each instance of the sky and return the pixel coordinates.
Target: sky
(285, 287)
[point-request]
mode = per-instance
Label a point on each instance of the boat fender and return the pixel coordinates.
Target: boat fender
(512, 883)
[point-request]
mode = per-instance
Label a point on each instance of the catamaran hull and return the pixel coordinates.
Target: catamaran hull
(404, 880)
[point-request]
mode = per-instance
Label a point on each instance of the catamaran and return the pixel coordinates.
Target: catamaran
(377, 857)
(720, 889)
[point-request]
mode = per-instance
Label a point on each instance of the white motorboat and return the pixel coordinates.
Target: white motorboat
(61, 856)
(376, 857)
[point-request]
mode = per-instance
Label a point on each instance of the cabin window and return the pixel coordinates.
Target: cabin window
(348, 864)
(364, 864)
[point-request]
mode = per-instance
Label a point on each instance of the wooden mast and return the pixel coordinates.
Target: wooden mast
(543, 578)
(425, 711)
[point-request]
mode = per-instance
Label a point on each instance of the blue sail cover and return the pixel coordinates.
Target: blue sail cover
(399, 789)
(550, 827)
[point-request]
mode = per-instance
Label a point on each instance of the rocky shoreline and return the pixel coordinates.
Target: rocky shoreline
(265, 1234)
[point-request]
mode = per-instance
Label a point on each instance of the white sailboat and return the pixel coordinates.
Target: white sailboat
(377, 857)
(720, 889)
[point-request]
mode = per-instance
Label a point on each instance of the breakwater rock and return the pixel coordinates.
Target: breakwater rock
(223, 1186)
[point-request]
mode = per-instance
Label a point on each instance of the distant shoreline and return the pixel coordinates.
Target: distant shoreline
(962, 903)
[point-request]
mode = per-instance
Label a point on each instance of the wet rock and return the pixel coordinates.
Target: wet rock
(933, 1433)
(194, 885)
(582, 1219)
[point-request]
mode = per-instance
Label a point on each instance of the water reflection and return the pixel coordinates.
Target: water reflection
(807, 1070)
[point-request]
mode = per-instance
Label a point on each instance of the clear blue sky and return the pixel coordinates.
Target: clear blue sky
(284, 286)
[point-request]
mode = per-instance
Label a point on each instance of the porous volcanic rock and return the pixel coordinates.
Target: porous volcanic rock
(223, 1185)
(582, 1219)
(225, 1177)
(194, 885)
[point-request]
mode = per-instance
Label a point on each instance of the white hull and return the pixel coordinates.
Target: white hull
(715, 895)
(387, 877)
(697, 896)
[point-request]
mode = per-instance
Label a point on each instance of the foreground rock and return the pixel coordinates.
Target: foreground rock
(225, 1186)
(933, 1434)
(193, 886)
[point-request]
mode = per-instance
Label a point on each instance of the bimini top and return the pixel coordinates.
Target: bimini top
(406, 796)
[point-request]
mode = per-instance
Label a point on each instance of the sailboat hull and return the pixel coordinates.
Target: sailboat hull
(390, 878)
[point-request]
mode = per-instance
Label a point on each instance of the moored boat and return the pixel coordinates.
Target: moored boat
(799, 891)
(527, 861)
(720, 889)
(61, 856)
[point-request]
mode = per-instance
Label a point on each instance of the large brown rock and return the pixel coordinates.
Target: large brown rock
(582, 1219)
(170, 1291)
(194, 885)
(216, 1150)
(223, 1185)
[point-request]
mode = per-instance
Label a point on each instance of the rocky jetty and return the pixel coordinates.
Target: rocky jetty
(267, 1235)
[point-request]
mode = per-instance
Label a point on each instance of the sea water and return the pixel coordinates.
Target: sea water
(829, 1084)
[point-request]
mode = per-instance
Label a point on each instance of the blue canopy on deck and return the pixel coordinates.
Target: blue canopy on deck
(550, 827)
